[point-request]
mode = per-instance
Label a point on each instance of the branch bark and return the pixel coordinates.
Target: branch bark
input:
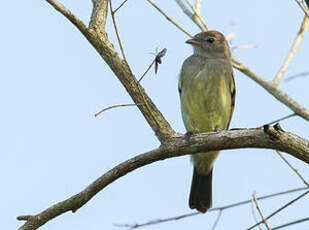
(179, 146)
(105, 48)
(98, 16)
(273, 90)
(292, 52)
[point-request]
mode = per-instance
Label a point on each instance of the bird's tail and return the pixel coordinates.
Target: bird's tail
(201, 191)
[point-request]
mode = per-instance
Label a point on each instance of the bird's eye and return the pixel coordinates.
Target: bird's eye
(210, 40)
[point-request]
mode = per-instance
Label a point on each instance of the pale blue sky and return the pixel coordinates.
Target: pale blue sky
(53, 82)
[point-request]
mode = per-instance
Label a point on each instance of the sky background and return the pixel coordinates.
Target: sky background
(52, 82)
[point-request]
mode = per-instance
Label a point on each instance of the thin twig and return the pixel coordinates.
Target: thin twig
(195, 17)
(303, 8)
(198, 18)
(158, 221)
(254, 214)
(117, 33)
(27, 217)
(273, 90)
(278, 120)
(120, 6)
(69, 15)
(280, 209)
(233, 48)
(260, 211)
(198, 6)
(292, 52)
(293, 168)
(296, 76)
(291, 223)
(169, 18)
(217, 220)
(147, 70)
(112, 107)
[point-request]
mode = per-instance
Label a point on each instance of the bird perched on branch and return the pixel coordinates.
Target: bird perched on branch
(207, 95)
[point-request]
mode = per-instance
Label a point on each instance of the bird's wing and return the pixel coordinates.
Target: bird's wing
(190, 68)
(233, 94)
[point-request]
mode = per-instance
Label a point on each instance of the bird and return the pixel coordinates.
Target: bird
(207, 97)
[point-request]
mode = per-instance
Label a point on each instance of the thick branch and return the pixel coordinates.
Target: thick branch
(273, 90)
(179, 146)
(105, 48)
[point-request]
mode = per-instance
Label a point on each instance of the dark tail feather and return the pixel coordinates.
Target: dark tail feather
(201, 191)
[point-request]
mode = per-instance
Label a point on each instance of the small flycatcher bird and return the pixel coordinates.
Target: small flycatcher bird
(207, 94)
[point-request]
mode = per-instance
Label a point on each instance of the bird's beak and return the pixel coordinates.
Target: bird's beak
(194, 42)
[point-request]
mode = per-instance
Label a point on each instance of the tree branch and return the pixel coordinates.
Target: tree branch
(198, 5)
(292, 52)
(98, 16)
(169, 18)
(117, 33)
(195, 16)
(71, 17)
(179, 146)
(280, 209)
(291, 223)
(303, 7)
(222, 208)
(120, 68)
(293, 168)
(260, 211)
(277, 93)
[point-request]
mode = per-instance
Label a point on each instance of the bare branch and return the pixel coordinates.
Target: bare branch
(222, 208)
(254, 215)
(198, 6)
(120, 6)
(278, 120)
(293, 168)
(233, 48)
(296, 76)
(179, 146)
(195, 17)
(101, 43)
(23, 217)
(112, 107)
(217, 220)
(169, 18)
(303, 8)
(292, 52)
(277, 93)
(280, 209)
(260, 211)
(291, 223)
(184, 8)
(98, 16)
(70, 16)
(117, 33)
